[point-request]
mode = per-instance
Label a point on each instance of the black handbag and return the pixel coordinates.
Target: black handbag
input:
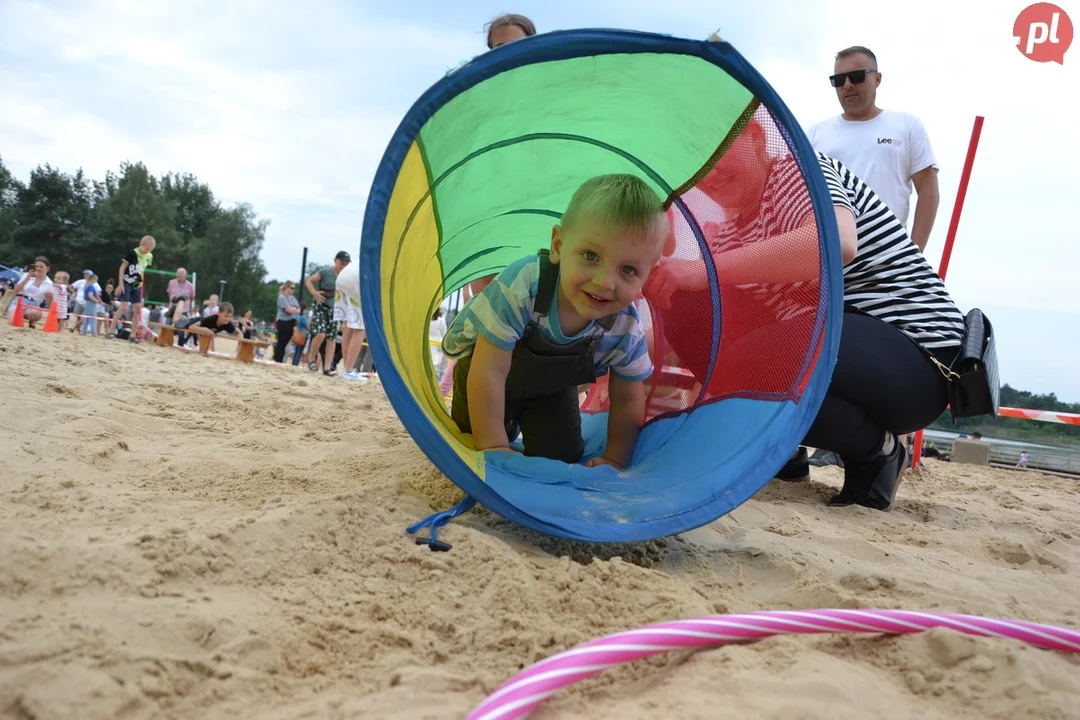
(974, 386)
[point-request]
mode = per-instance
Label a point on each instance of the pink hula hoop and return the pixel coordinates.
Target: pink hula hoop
(523, 693)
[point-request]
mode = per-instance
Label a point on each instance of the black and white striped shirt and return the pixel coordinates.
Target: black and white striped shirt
(890, 278)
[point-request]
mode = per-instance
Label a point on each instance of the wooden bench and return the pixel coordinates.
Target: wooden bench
(245, 349)
(166, 335)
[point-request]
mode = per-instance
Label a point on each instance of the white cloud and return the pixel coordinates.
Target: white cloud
(286, 107)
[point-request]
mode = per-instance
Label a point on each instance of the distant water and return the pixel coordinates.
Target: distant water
(1008, 451)
(946, 434)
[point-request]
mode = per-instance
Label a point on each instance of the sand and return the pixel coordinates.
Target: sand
(189, 537)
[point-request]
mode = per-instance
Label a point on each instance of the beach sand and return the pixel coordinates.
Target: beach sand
(189, 537)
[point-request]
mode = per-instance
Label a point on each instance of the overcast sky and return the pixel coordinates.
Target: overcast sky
(289, 106)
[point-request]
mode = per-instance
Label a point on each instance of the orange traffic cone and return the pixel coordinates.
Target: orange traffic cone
(17, 318)
(52, 325)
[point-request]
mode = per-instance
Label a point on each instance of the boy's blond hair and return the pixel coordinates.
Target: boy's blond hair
(621, 200)
(148, 240)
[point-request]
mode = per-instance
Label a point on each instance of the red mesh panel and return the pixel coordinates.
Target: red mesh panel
(750, 201)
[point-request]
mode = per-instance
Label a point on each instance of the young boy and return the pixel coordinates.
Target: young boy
(91, 303)
(213, 324)
(61, 294)
(129, 292)
(550, 323)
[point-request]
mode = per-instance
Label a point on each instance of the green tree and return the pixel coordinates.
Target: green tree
(128, 206)
(230, 251)
(10, 188)
(1016, 428)
(195, 208)
(47, 216)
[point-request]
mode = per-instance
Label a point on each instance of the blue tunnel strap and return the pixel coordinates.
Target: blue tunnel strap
(437, 520)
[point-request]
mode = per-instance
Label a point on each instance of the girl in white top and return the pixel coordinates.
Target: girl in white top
(61, 295)
(36, 290)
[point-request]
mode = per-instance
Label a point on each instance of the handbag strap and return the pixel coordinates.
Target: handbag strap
(948, 372)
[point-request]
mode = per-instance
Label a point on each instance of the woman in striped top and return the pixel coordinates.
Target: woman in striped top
(897, 310)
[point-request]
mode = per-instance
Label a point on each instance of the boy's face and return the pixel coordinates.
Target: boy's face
(602, 268)
(224, 317)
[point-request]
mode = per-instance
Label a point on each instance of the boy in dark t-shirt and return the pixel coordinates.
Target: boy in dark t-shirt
(221, 321)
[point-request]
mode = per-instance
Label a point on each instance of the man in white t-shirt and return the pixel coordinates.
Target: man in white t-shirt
(889, 150)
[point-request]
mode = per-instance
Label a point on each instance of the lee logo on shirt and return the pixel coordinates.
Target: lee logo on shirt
(884, 141)
(1043, 32)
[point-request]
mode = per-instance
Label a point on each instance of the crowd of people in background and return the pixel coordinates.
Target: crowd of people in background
(328, 336)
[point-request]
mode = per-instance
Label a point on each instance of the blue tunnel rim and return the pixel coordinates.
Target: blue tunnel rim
(565, 45)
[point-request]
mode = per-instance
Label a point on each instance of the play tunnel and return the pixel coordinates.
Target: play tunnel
(480, 169)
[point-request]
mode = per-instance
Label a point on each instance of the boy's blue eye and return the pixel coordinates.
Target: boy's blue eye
(589, 255)
(629, 270)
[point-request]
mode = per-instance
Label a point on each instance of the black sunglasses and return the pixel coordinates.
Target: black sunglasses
(857, 76)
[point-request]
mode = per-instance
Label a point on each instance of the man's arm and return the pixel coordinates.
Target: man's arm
(624, 421)
(487, 395)
(310, 285)
(926, 205)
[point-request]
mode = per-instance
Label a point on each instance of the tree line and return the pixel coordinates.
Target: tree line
(1015, 428)
(78, 222)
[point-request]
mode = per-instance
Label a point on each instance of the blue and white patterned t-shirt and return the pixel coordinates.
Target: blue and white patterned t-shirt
(501, 312)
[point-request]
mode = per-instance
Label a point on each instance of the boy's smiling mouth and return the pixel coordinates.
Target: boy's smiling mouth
(596, 299)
